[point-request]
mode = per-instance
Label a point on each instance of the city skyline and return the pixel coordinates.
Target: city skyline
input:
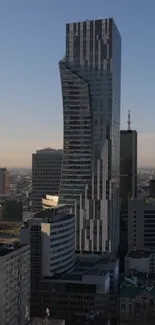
(30, 81)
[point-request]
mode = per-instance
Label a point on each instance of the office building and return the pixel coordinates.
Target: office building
(67, 282)
(14, 285)
(4, 181)
(152, 188)
(46, 175)
(128, 162)
(90, 77)
(141, 224)
(137, 300)
(11, 209)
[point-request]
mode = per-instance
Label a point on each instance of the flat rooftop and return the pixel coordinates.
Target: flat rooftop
(52, 321)
(87, 320)
(139, 253)
(7, 249)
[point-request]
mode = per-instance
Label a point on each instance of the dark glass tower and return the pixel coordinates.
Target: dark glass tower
(90, 77)
(128, 164)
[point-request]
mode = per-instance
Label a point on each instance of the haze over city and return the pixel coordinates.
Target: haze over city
(32, 43)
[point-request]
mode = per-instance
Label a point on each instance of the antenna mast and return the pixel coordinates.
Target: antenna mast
(129, 121)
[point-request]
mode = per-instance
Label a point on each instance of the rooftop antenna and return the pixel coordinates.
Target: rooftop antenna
(129, 121)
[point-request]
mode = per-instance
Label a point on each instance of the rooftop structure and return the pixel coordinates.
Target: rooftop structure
(140, 260)
(49, 201)
(137, 301)
(139, 253)
(6, 249)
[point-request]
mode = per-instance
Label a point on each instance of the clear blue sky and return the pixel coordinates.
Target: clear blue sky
(32, 39)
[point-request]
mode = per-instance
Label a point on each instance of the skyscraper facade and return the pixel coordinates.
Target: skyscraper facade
(46, 175)
(90, 77)
(128, 164)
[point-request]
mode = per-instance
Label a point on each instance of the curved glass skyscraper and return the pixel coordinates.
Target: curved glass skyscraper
(90, 77)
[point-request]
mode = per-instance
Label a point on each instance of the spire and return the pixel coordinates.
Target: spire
(129, 121)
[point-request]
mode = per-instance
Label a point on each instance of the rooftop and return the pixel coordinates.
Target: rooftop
(130, 290)
(49, 150)
(52, 321)
(139, 253)
(87, 320)
(7, 249)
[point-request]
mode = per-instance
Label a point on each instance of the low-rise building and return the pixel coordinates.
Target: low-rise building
(85, 288)
(137, 301)
(140, 260)
(14, 284)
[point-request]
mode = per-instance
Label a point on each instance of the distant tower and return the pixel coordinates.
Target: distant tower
(4, 181)
(129, 121)
(128, 162)
(46, 175)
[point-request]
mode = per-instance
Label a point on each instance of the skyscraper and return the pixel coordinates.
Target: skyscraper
(46, 174)
(90, 77)
(4, 181)
(128, 162)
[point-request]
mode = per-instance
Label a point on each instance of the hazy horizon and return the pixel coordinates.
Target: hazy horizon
(144, 141)
(32, 35)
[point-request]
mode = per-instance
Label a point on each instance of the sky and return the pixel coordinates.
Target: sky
(32, 41)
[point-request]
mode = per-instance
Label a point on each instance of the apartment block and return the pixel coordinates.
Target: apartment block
(137, 300)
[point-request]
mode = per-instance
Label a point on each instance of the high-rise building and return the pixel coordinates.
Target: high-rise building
(4, 181)
(11, 208)
(128, 162)
(15, 284)
(90, 77)
(141, 224)
(46, 175)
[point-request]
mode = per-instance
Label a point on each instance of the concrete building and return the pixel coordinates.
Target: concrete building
(140, 261)
(90, 78)
(137, 301)
(46, 175)
(85, 288)
(14, 285)
(11, 208)
(4, 181)
(128, 164)
(141, 224)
